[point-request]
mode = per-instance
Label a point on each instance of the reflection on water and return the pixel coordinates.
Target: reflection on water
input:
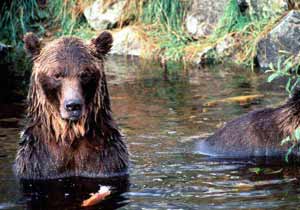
(162, 119)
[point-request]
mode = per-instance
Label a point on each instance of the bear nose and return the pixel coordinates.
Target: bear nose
(73, 105)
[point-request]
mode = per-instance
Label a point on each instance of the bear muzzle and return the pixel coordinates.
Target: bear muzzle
(73, 109)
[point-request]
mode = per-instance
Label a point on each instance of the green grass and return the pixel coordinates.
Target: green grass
(232, 21)
(68, 20)
(21, 16)
(167, 17)
(18, 17)
(247, 31)
(287, 67)
(169, 13)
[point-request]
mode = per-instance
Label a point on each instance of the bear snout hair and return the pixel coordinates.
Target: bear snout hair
(70, 130)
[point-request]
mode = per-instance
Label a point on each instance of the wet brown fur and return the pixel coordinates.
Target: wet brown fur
(256, 134)
(52, 147)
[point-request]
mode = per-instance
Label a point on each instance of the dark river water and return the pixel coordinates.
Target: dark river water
(163, 116)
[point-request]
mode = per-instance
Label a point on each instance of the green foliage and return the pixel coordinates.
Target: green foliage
(264, 171)
(173, 45)
(233, 20)
(68, 20)
(169, 13)
(286, 68)
(247, 30)
(256, 170)
(294, 140)
(62, 15)
(251, 35)
(167, 17)
(21, 16)
(18, 17)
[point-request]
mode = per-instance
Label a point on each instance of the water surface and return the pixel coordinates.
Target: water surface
(163, 116)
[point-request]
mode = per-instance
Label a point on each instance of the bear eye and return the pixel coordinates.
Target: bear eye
(58, 75)
(84, 76)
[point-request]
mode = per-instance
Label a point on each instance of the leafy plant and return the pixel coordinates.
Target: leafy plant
(293, 139)
(288, 68)
(265, 171)
(232, 20)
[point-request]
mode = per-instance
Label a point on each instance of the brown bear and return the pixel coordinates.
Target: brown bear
(256, 134)
(70, 130)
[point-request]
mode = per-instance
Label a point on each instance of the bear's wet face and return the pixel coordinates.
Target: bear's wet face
(70, 91)
(69, 84)
(72, 75)
(70, 130)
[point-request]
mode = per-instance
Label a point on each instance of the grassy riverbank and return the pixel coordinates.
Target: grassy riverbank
(160, 21)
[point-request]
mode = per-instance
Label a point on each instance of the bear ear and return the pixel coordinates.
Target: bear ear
(32, 44)
(103, 43)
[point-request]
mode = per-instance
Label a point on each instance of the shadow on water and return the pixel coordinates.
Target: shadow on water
(69, 193)
(162, 119)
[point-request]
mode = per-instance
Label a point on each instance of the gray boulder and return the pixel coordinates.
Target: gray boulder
(203, 16)
(264, 8)
(280, 43)
(102, 17)
(225, 47)
(221, 51)
(205, 56)
(126, 42)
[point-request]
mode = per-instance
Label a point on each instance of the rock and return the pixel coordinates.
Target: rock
(126, 42)
(205, 56)
(102, 17)
(203, 16)
(282, 42)
(225, 47)
(264, 8)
